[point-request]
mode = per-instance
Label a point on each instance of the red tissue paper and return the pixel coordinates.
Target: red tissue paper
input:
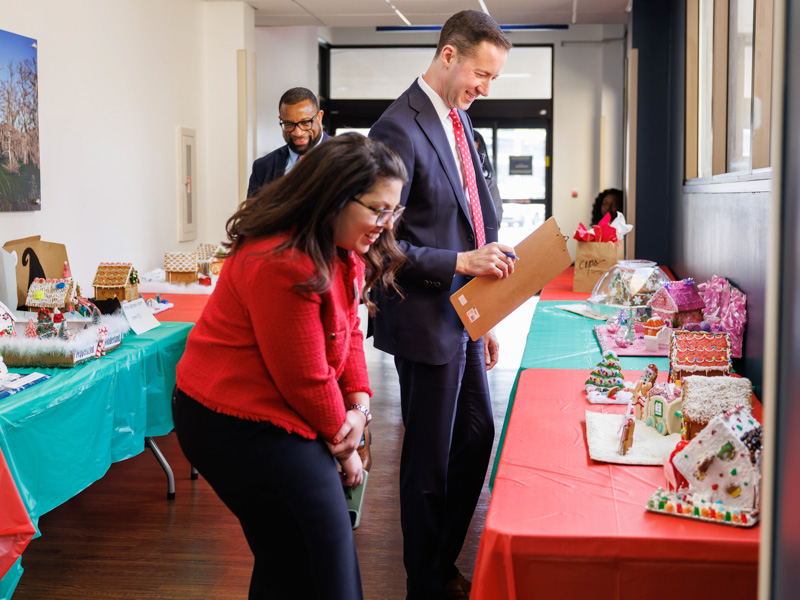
(602, 232)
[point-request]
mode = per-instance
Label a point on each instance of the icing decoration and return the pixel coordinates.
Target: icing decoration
(606, 374)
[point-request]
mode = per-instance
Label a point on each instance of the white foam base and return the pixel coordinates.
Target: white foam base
(648, 448)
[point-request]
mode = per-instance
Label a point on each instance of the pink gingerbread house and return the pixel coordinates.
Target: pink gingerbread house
(678, 303)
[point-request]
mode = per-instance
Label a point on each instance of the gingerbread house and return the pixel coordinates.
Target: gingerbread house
(678, 303)
(51, 294)
(662, 410)
(705, 397)
(653, 326)
(210, 258)
(651, 330)
(205, 251)
(720, 473)
(116, 280)
(699, 353)
(180, 267)
(630, 288)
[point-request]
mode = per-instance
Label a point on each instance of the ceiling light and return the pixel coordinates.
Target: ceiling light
(398, 13)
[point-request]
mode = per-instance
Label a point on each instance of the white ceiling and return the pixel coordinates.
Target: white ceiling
(380, 13)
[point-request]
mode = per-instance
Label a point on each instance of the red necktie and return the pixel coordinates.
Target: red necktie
(469, 178)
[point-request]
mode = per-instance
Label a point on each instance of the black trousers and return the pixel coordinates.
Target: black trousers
(449, 432)
(287, 495)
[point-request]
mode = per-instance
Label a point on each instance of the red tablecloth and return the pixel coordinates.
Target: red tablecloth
(16, 529)
(561, 526)
(187, 309)
(561, 287)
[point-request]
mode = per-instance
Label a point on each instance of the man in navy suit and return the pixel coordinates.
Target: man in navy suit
(445, 399)
(300, 119)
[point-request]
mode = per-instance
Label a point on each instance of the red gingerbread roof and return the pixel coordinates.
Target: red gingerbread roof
(701, 349)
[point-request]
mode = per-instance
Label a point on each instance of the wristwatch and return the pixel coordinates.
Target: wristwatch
(363, 409)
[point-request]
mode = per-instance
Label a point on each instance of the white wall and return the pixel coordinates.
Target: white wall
(286, 57)
(588, 74)
(230, 27)
(588, 85)
(116, 79)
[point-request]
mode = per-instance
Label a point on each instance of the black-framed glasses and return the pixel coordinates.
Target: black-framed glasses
(305, 125)
(383, 216)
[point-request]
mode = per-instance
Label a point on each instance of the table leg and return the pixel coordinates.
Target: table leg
(164, 465)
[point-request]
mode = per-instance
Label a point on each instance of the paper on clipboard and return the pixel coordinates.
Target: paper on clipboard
(485, 301)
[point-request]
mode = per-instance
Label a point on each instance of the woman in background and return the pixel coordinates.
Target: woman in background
(273, 384)
(607, 201)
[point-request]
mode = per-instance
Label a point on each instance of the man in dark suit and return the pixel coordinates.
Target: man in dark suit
(300, 119)
(449, 235)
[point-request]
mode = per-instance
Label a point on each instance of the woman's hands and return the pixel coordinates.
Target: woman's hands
(352, 470)
(349, 435)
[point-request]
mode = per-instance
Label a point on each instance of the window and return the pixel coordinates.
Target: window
(740, 84)
(728, 80)
(384, 73)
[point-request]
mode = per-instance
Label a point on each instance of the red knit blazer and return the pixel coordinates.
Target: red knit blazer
(263, 350)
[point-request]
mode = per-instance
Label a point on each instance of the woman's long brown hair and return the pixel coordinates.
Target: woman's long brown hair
(306, 202)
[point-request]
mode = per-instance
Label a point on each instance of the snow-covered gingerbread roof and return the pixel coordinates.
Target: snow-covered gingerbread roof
(706, 397)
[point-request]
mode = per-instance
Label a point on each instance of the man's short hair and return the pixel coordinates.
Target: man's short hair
(297, 95)
(466, 30)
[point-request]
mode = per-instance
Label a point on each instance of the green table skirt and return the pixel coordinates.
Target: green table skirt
(62, 435)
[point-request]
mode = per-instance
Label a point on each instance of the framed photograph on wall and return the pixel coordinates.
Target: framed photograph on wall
(20, 177)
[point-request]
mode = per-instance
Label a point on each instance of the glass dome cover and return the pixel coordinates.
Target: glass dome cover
(629, 283)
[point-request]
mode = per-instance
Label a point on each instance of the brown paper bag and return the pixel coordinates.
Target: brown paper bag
(592, 260)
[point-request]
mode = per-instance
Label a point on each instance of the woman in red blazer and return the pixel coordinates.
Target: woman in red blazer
(272, 389)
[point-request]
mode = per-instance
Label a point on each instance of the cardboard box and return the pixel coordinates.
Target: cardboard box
(36, 258)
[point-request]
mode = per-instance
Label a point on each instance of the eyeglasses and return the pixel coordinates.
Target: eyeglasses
(305, 125)
(384, 216)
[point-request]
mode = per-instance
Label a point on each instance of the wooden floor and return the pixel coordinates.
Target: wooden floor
(122, 539)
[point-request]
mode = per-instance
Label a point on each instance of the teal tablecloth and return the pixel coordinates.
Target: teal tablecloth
(62, 435)
(559, 339)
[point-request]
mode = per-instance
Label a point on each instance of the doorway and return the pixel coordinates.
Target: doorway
(520, 159)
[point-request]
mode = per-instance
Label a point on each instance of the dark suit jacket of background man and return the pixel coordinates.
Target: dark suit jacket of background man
(270, 167)
(424, 326)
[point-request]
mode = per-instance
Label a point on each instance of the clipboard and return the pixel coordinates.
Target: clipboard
(485, 301)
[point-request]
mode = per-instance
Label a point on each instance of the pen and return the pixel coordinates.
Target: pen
(511, 255)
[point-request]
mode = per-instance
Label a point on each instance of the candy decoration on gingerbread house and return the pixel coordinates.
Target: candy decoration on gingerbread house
(699, 353)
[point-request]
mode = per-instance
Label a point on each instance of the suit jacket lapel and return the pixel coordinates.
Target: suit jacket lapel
(280, 162)
(431, 126)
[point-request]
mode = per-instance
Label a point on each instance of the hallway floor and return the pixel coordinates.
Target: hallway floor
(121, 538)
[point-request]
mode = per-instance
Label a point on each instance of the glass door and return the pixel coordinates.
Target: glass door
(521, 167)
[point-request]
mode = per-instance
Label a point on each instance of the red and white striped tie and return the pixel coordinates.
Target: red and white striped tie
(469, 178)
